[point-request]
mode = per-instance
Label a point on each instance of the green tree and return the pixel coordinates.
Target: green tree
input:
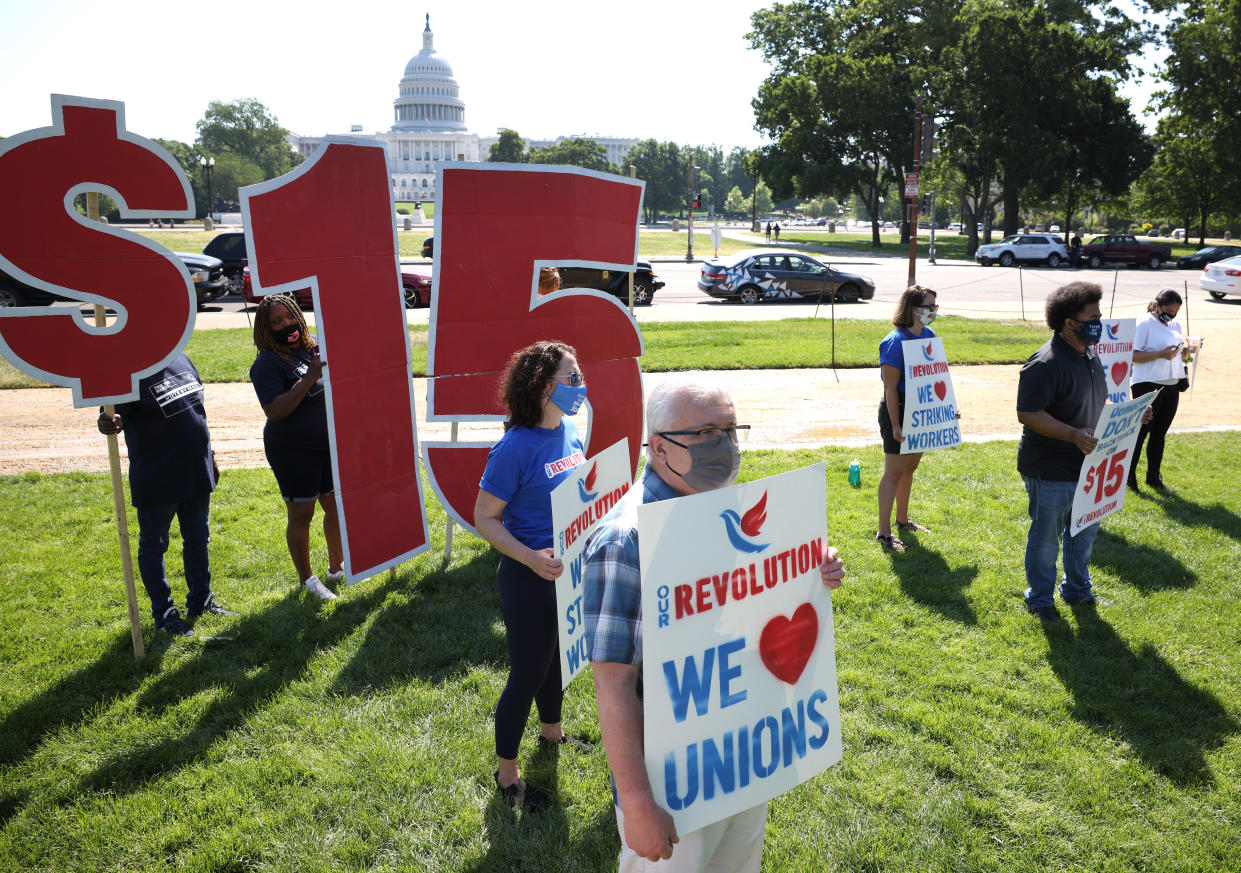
(736, 202)
(1186, 182)
(245, 136)
(574, 152)
(763, 195)
(511, 149)
(661, 165)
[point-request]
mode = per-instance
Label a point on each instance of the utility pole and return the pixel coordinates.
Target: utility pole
(689, 202)
(911, 191)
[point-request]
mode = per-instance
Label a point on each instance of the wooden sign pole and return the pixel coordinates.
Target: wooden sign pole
(118, 488)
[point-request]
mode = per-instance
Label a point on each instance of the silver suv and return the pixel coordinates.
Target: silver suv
(1030, 248)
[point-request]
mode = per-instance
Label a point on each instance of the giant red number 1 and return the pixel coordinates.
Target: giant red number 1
(494, 227)
(351, 267)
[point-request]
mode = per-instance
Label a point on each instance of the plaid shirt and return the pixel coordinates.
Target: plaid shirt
(612, 599)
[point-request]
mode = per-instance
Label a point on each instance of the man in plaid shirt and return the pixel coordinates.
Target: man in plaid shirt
(692, 446)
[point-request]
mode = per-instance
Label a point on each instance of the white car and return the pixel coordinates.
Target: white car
(1031, 248)
(1222, 277)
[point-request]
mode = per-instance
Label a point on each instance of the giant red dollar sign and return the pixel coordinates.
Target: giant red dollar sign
(495, 225)
(44, 242)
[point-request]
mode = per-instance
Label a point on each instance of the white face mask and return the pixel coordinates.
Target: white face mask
(925, 314)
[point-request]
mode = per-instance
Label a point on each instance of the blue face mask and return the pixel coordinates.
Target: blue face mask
(569, 398)
(1090, 331)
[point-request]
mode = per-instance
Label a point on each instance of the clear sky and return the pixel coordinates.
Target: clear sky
(549, 68)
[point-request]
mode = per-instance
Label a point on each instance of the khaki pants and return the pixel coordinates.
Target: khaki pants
(734, 845)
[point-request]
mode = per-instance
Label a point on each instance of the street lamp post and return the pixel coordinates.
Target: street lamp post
(208, 164)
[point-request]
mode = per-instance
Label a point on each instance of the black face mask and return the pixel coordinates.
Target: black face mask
(288, 334)
(1165, 317)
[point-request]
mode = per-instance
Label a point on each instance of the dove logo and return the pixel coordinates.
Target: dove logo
(926, 352)
(1113, 330)
(586, 487)
(742, 529)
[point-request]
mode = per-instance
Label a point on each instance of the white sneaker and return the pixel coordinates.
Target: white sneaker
(337, 578)
(318, 589)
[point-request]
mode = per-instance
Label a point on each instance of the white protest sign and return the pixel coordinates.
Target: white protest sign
(1101, 483)
(1115, 351)
(930, 403)
(578, 503)
(739, 660)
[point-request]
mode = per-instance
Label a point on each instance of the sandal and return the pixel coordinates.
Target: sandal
(522, 796)
(566, 740)
(890, 542)
(911, 525)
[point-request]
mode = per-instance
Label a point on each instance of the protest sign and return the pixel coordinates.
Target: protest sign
(1101, 483)
(930, 403)
(578, 504)
(1115, 351)
(739, 663)
(353, 274)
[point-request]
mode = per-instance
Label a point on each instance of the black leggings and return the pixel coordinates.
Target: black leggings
(1163, 410)
(528, 604)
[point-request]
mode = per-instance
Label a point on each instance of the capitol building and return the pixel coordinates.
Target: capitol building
(429, 128)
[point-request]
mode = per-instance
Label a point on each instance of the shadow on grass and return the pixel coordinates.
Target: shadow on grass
(1169, 723)
(519, 840)
(444, 623)
(114, 674)
(1145, 568)
(1191, 514)
(263, 653)
(928, 580)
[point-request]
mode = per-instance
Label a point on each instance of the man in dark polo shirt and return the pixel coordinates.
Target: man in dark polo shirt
(1060, 394)
(172, 472)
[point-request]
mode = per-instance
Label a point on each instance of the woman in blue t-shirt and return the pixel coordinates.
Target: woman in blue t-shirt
(914, 314)
(287, 377)
(541, 385)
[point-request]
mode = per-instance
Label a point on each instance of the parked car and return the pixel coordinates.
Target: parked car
(1221, 278)
(428, 247)
(1124, 248)
(416, 286)
(766, 274)
(615, 282)
(230, 247)
(206, 272)
(1029, 248)
(1208, 255)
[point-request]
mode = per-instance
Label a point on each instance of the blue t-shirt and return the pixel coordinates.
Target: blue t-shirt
(523, 468)
(167, 438)
(306, 426)
(892, 353)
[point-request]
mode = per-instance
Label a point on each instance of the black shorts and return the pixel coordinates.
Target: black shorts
(890, 445)
(302, 474)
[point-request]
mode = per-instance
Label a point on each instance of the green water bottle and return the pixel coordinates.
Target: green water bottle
(855, 473)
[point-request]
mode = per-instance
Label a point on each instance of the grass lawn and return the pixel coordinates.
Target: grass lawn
(409, 243)
(226, 355)
(357, 735)
(666, 244)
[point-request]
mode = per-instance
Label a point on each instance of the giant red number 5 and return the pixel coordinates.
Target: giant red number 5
(494, 227)
(351, 267)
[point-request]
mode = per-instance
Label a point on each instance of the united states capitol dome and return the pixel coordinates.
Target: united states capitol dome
(429, 97)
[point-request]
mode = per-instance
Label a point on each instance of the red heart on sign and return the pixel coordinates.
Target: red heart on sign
(1119, 369)
(786, 645)
(941, 389)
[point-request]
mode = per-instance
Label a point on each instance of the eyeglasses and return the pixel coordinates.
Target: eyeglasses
(575, 379)
(928, 308)
(737, 433)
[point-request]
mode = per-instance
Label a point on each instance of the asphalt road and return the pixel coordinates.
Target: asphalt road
(965, 289)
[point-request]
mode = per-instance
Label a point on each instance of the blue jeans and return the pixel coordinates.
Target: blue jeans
(1051, 507)
(153, 524)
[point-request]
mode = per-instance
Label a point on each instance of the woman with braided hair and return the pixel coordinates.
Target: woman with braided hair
(287, 377)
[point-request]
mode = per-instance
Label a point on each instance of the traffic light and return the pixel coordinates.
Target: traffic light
(694, 176)
(696, 203)
(929, 131)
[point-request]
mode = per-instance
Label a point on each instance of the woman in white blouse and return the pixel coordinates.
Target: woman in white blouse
(1159, 350)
